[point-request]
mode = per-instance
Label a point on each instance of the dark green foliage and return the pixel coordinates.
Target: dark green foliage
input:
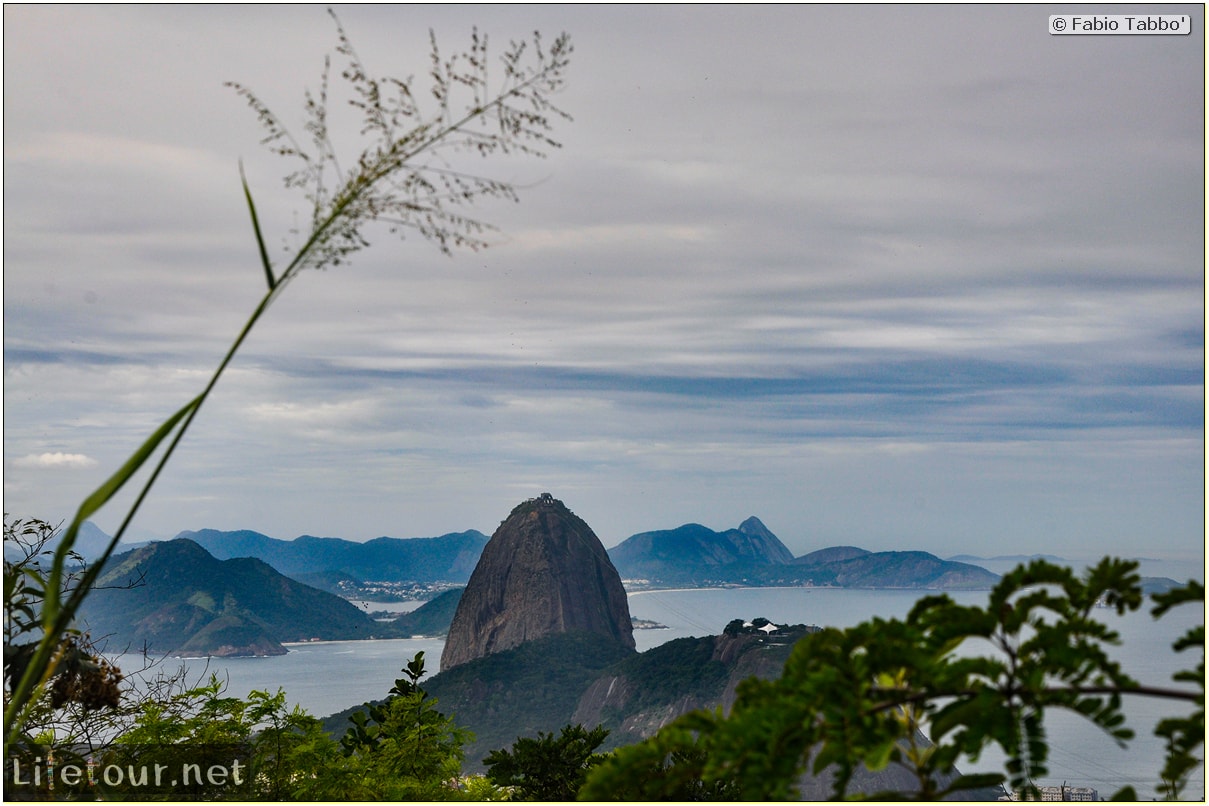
(670, 766)
(272, 740)
(405, 749)
(366, 736)
(404, 745)
(858, 697)
(1183, 734)
(548, 767)
(673, 670)
(525, 690)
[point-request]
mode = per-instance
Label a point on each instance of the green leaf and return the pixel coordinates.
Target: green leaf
(101, 496)
(976, 780)
(264, 253)
(878, 757)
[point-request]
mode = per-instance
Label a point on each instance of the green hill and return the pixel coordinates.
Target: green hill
(431, 618)
(843, 567)
(583, 677)
(518, 692)
(174, 597)
(830, 555)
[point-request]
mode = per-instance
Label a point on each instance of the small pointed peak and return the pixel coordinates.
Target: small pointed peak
(754, 526)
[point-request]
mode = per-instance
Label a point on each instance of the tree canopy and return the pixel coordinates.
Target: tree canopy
(867, 696)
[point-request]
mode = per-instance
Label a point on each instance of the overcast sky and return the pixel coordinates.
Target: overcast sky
(901, 278)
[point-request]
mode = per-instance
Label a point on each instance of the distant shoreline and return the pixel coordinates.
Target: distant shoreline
(363, 640)
(735, 587)
(805, 588)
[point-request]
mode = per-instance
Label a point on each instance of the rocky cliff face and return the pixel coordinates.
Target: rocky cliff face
(543, 571)
(634, 702)
(762, 542)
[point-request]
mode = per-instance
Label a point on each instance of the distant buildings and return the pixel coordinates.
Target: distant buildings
(1059, 793)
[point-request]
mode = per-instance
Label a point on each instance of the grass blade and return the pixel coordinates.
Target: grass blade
(264, 253)
(101, 496)
(54, 617)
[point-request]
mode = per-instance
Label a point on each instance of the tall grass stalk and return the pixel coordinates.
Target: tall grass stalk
(403, 177)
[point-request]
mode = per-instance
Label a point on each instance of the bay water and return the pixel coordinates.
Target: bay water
(325, 677)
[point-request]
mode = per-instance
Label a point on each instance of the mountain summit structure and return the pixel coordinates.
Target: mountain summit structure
(544, 571)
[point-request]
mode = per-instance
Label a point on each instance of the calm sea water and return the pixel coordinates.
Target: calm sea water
(330, 676)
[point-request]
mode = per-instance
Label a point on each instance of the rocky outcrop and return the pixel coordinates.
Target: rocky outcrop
(544, 571)
(645, 693)
(762, 542)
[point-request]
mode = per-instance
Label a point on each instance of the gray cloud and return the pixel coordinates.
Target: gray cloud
(898, 277)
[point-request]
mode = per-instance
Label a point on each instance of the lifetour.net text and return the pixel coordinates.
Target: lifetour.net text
(174, 769)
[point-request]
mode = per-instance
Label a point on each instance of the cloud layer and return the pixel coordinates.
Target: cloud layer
(911, 277)
(55, 460)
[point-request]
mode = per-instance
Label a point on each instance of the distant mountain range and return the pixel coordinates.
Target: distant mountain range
(690, 555)
(694, 551)
(448, 558)
(752, 555)
(243, 596)
(238, 593)
(1009, 558)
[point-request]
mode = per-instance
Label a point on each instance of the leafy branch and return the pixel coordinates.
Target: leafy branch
(404, 177)
(864, 697)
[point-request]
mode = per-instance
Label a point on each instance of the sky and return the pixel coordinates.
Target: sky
(908, 277)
